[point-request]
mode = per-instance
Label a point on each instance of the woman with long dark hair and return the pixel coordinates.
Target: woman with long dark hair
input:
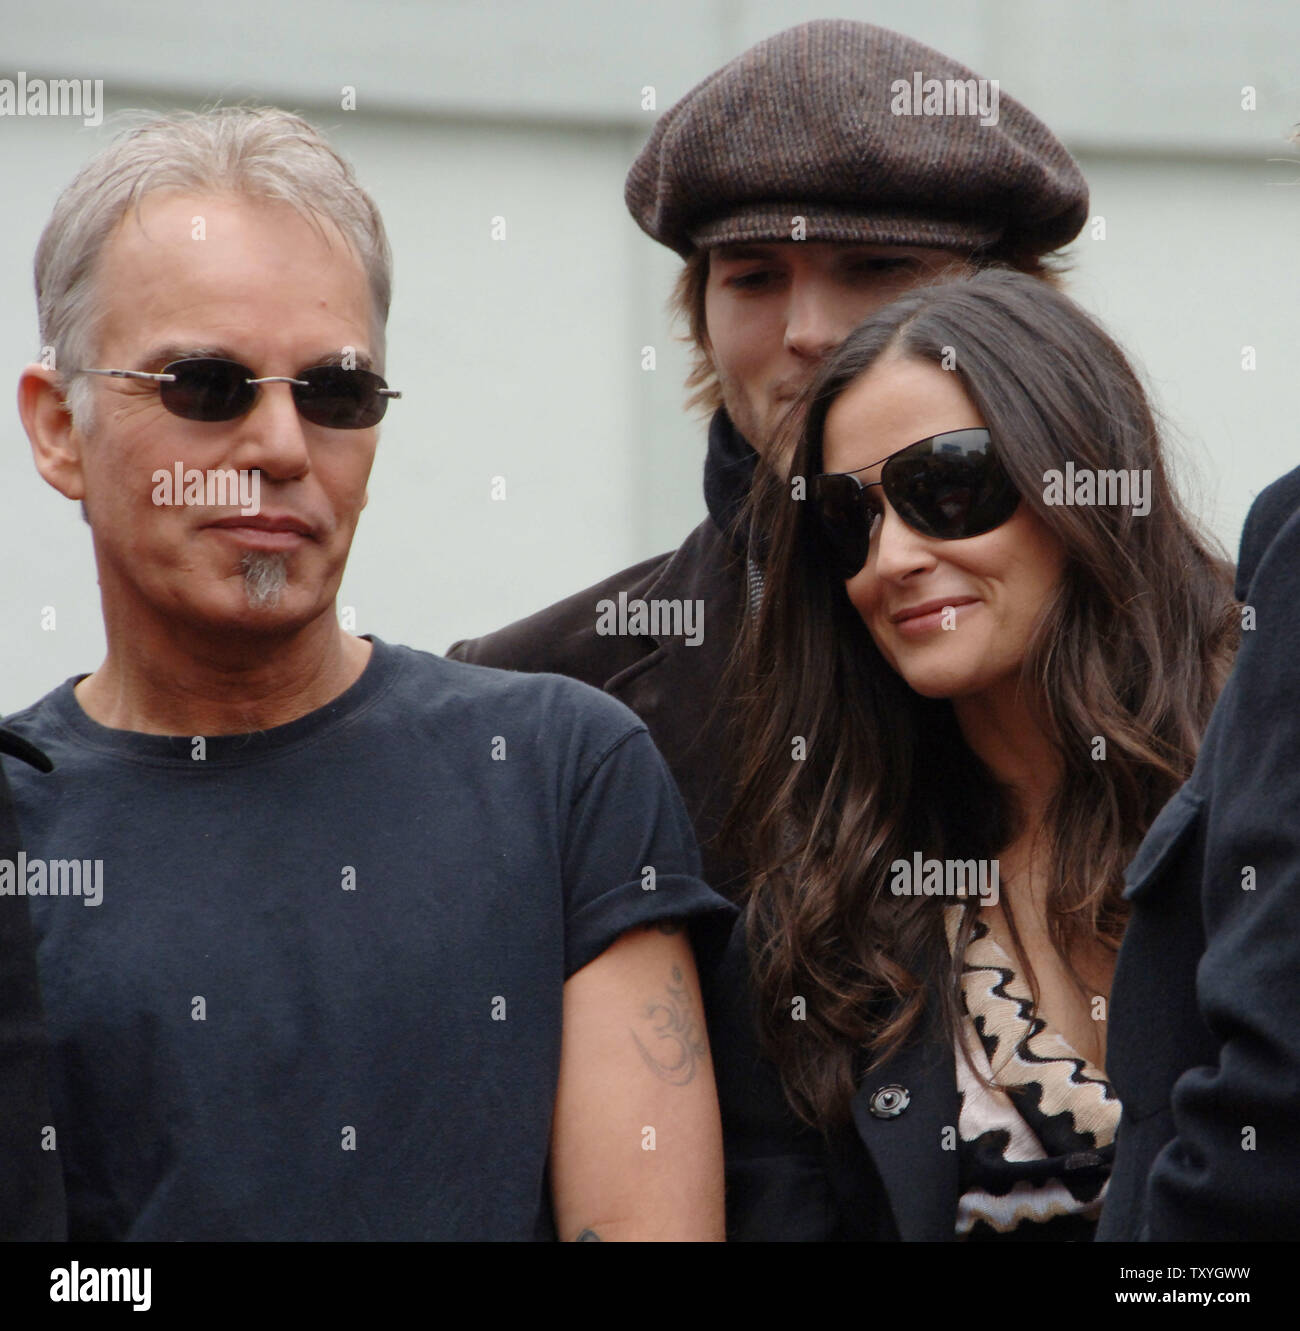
(989, 641)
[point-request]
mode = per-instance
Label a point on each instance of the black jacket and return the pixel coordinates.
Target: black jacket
(671, 685)
(887, 1177)
(1204, 1045)
(31, 1178)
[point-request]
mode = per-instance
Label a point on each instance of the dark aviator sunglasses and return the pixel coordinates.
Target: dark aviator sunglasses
(206, 388)
(950, 486)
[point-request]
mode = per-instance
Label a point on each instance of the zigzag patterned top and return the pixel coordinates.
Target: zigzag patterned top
(1034, 1150)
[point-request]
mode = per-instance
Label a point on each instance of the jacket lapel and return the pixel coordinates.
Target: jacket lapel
(920, 1177)
(703, 569)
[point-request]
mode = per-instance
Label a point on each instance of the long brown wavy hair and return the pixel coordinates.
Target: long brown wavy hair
(1133, 648)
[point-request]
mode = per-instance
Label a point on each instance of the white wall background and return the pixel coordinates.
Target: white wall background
(522, 358)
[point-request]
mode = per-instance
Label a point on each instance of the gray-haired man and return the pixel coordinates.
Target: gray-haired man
(805, 184)
(370, 950)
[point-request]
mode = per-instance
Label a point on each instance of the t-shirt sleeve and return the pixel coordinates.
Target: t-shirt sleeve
(630, 856)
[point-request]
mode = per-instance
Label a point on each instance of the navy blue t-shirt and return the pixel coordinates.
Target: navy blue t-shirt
(320, 997)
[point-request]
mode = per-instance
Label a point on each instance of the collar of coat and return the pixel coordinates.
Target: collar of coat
(728, 475)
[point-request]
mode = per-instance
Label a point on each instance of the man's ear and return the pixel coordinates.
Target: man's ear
(56, 442)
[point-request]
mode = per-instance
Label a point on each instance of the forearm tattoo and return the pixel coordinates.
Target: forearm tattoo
(679, 1043)
(588, 1236)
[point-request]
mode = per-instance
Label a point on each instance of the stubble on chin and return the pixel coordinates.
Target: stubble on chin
(770, 429)
(740, 410)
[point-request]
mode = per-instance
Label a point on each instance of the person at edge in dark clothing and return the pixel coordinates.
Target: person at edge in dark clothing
(31, 1182)
(801, 199)
(968, 692)
(1209, 1143)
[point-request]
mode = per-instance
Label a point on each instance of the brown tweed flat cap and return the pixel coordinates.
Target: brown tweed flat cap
(868, 136)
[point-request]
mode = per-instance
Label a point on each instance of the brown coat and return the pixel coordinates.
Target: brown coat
(671, 685)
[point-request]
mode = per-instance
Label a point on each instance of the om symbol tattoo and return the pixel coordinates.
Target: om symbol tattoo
(679, 1043)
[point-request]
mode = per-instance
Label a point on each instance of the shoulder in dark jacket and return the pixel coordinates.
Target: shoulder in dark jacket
(1205, 1017)
(31, 1178)
(1268, 514)
(562, 638)
(673, 683)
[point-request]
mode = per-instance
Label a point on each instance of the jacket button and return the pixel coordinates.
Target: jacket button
(888, 1101)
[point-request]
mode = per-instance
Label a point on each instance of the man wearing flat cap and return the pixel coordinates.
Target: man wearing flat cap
(804, 191)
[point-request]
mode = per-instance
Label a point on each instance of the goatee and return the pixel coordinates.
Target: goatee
(266, 575)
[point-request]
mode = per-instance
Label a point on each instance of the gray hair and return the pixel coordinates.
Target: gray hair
(258, 152)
